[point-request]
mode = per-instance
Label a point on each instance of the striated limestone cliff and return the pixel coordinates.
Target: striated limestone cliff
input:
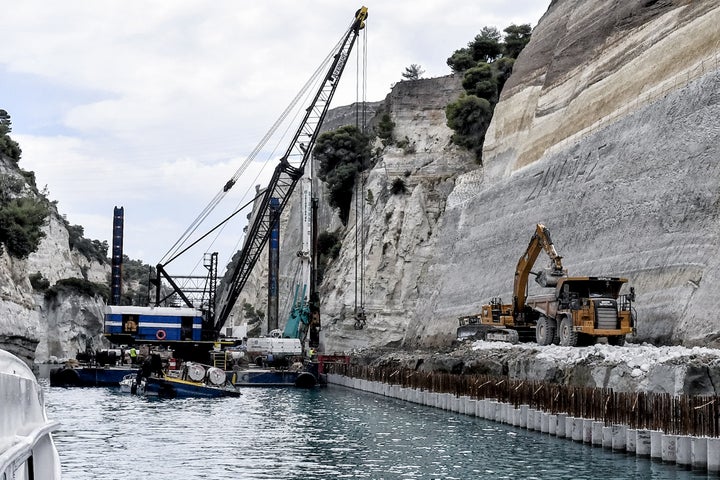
(592, 63)
(396, 232)
(607, 132)
(33, 327)
(613, 146)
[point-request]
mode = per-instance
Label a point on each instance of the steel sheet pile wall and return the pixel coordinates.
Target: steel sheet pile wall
(675, 415)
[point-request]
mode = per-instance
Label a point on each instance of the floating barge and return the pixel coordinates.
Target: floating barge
(89, 376)
(270, 377)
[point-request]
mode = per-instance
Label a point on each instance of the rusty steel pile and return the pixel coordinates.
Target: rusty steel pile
(673, 414)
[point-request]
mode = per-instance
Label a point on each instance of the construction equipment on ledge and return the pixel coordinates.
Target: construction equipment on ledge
(581, 309)
(269, 203)
(288, 172)
(205, 309)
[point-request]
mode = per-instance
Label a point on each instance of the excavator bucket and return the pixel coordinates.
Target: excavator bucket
(549, 277)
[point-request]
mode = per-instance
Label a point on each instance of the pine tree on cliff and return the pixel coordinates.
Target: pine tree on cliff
(413, 72)
(22, 214)
(8, 147)
(485, 65)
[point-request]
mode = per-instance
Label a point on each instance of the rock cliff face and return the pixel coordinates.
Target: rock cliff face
(32, 327)
(395, 234)
(607, 133)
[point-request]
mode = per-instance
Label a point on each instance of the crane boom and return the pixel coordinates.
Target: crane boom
(287, 174)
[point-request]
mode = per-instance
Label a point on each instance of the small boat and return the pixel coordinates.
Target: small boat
(253, 376)
(129, 384)
(306, 374)
(27, 449)
(170, 387)
(193, 380)
(273, 361)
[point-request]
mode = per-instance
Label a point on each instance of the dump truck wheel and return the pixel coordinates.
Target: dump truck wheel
(568, 338)
(544, 331)
(617, 340)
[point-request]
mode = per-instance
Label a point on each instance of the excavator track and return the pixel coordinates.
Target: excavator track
(503, 335)
(471, 328)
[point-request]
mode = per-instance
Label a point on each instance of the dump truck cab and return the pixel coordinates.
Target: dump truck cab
(583, 309)
(593, 307)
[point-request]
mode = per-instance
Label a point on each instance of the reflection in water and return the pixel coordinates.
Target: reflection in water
(290, 434)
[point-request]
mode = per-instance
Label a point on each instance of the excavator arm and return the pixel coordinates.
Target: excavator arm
(547, 278)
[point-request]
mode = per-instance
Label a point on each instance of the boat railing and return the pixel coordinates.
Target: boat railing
(36, 447)
(27, 450)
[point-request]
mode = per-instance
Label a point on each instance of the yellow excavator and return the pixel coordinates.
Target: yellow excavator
(578, 312)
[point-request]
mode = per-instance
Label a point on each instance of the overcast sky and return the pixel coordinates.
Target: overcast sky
(154, 105)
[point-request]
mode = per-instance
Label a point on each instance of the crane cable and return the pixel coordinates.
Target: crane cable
(360, 114)
(192, 228)
(363, 178)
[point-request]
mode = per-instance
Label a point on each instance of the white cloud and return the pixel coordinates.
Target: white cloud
(153, 105)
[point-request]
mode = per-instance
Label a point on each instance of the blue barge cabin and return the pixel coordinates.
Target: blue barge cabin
(153, 323)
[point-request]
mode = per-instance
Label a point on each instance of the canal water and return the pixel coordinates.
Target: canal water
(329, 433)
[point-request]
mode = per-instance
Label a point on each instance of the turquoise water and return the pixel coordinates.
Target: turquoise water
(330, 433)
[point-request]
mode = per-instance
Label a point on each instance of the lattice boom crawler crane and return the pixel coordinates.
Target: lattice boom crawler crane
(204, 310)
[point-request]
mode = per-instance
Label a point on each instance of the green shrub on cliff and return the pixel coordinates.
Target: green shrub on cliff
(21, 220)
(328, 249)
(398, 186)
(91, 249)
(469, 118)
(341, 155)
(481, 82)
(489, 46)
(503, 68)
(385, 129)
(413, 72)
(39, 282)
(516, 37)
(78, 286)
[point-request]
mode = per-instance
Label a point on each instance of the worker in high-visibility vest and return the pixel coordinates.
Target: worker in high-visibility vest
(133, 356)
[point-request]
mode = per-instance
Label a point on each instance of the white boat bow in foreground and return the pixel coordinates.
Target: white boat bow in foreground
(27, 451)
